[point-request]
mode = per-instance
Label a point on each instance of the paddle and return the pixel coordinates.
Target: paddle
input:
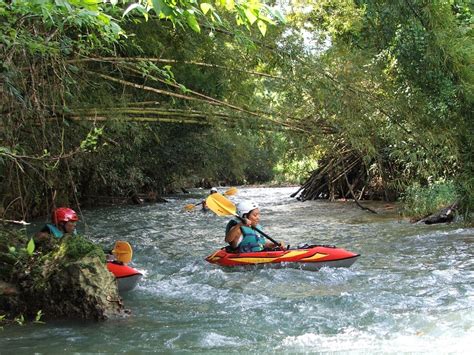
(229, 192)
(224, 207)
(122, 251)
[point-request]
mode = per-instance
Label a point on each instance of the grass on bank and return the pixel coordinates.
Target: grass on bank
(421, 201)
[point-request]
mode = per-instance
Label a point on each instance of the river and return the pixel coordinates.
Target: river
(412, 289)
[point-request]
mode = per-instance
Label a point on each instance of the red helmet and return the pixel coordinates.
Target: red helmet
(64, 214)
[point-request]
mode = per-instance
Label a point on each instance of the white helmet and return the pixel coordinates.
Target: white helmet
(245, 207)
(213, 190)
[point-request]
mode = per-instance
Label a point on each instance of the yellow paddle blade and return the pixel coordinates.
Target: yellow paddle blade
(189, 207)
(231, 191)
(220, 205)
(123, 251)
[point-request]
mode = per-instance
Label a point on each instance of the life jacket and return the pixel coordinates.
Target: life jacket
(251, 240)
(53, 230)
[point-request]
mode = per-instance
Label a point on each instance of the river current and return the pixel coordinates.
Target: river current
(412, 289)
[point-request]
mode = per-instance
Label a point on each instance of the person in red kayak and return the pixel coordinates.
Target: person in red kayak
(63, 222)
(241, 235)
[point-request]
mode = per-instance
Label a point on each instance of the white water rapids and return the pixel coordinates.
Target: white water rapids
(412, 289)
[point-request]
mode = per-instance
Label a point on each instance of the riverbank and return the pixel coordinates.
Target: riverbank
(57, 279)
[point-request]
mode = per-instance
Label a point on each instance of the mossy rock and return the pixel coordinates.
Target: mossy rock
(69, 280)
(82, 289)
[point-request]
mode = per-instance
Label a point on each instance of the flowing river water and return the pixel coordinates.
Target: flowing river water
(412, 289)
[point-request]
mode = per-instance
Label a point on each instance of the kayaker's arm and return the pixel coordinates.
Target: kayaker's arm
(233, 236)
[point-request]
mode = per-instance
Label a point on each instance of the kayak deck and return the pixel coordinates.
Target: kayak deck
(309, 257)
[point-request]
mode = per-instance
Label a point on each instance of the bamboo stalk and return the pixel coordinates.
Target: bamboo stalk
(186, 97)
(170, 61)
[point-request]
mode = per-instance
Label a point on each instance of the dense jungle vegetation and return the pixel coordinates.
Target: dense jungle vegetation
(363, 98)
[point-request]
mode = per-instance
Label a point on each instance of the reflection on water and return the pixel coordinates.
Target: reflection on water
(411, 290)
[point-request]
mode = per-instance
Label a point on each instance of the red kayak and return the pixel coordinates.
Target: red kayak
(126, 276)
(307, 257)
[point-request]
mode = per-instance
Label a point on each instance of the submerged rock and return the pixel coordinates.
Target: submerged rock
(65, 279)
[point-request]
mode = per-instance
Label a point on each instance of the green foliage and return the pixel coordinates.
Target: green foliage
(16, 244)
(38, 317)
(69, 158)
(389, 82)
(77, 247)
(294, 171)
(190, 13)
(421, 201)
(91, 140)
(20, 319)
(392, 87)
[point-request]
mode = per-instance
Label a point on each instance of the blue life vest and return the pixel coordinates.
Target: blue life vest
(56, 232)
(251, 240)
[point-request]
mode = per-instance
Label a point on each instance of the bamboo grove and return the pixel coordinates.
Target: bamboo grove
(114, 98)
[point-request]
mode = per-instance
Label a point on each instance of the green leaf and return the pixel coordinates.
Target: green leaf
(250, 16)
(216, 17)
(192, 22)
(161, 7)
(30, 248)
(262, 26)
(39, 314)
(133, 7)
(205, 7)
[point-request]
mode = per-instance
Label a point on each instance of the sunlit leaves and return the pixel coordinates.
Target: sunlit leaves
(251, 17)
(192, 13)
(262, 26)
(206, 7)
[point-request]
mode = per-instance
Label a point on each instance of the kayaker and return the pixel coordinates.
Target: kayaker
(203, 203)
(240, 233)
(63, 222)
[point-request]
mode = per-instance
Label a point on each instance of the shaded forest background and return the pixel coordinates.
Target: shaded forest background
(352, 99)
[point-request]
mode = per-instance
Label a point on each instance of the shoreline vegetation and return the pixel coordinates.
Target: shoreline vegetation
(118, 101)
